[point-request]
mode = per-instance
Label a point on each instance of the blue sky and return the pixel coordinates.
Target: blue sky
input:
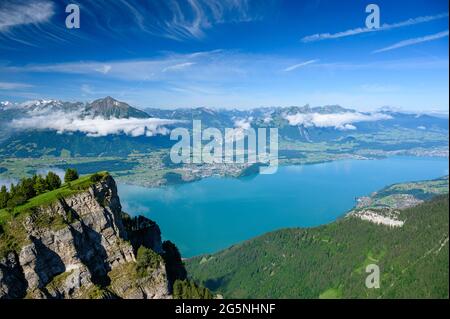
(227, 53)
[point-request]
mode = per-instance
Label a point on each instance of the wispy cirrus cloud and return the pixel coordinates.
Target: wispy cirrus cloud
(154, 69)
(33, 22)
(414, 41)
(179, 66)
(227, 78)
(174, 19)
(384, 27)
(190, 19)
(14, 85)
(26, 21)
(200, 73)
(299, 65)
(105, 68)
(14, 14)
(216, 64)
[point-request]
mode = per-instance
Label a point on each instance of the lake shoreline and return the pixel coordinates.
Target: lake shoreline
(356, 157)
(304, 196)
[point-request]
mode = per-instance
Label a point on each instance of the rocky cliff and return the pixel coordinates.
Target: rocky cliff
(84, 246)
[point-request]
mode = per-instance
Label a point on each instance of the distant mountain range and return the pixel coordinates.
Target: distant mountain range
(109, 127)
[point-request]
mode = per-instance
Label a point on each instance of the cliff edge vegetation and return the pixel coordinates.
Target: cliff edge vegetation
(73, 240)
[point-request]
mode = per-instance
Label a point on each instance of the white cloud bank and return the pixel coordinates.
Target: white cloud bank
(340, 121)
(95, 127)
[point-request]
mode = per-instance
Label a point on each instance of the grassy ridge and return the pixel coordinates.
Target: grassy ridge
(12, 232)
(47, 198)
(330, 261)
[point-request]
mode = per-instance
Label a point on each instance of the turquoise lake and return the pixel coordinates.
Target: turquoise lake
(215, 213)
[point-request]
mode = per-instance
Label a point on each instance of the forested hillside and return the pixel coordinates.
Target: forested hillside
(330, 261)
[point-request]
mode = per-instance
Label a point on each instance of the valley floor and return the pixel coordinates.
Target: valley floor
(155, 169)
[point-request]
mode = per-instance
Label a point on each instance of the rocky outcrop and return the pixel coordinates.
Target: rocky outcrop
(387, 216)
(143, 232)
(84, 246)
(12, 281)
(147, 287)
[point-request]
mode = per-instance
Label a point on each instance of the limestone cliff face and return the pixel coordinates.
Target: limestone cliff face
(92, 254)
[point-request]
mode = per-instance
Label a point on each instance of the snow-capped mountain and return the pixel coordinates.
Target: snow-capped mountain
(107, 108)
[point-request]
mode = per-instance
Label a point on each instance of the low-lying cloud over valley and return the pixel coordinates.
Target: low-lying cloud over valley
(340, 121)
(98, 126)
